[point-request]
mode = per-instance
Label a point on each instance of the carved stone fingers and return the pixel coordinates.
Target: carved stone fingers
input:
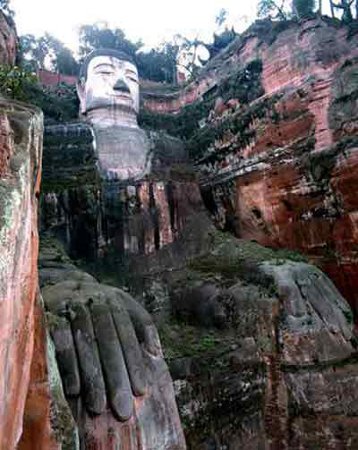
(131, 348)
(112, 359)
(90, 366)
(143, 324)
(66, 355)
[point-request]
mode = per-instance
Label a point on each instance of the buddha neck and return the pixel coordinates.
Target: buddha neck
(109, 117)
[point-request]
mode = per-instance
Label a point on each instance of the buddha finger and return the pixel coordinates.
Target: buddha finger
(131, 349)
(89, 362)
(65, 354)
(113, 363)
(144, 326)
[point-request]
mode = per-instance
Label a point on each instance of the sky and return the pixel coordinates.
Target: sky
(151, 20)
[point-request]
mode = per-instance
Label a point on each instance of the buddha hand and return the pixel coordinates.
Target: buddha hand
(103, 340)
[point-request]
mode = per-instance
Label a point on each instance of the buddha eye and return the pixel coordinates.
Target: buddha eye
(131, 76)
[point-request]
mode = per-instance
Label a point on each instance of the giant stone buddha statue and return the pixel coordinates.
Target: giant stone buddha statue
(108, 352)
(118, 186)
(108, 90)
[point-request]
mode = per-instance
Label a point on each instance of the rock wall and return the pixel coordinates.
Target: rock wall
(8, 40)
(281, 167)
(94, 216)
(118, 400)
(20, 171)
(260, 346)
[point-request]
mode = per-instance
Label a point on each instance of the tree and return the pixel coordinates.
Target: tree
(303, 8)
(37, 53)
(220, 19)
(268, 7)
(320, 7)
(62, 59)
(5, 8)
(98, 35)
(33, 52)
(187, 53)
(345, 6)
(221, 41)
(158, 65)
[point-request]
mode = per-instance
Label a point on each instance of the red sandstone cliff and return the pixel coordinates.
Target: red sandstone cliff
(286, 166)
(8, 41)
(22, 347)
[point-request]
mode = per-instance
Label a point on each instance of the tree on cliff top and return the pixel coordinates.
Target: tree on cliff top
(98, 35)
(158, 64)
(303, 8)
(37, 53)
(345, 6)
(274, 9)
(33, 52)
(62, 59)
(5, 8)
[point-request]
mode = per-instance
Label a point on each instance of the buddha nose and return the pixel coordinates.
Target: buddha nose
(121, 86)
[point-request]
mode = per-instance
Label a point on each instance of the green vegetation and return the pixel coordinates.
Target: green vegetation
(320, 165)
(59, 103)
(348, 314)
(5, 8)
(159, 64)
(15, 82)
(229, 259)
(303, 8)
(273, 9)
(33, 52)
(221, 41)
(283, 9)
(345, 6)
(243, 85)
(181, 340)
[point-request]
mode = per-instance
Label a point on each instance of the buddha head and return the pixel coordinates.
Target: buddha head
(108, 81)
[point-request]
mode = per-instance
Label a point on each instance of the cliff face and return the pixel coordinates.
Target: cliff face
(94, 216)
(8, 41)
(261, 348)
(281, 167)
(20, 169)
(117, 400)
(260, 344)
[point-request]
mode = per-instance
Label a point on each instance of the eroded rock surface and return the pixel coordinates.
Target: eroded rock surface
(8, 40)
(95, 215)
(261, 347)
(110, 360)
(275, 138)
(259, 342)
(20, 168)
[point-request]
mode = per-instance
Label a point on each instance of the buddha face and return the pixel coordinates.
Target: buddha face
(111, 82)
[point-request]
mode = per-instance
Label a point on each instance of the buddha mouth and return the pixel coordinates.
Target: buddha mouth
(121, 95)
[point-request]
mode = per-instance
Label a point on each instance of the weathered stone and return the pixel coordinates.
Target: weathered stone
(8, 40)
(287, 331)
(277, 156)
(91, 371)
(112, 360)
(315, 325)
(66, 355)
(280, 169)
(19, 187)
(125, 388)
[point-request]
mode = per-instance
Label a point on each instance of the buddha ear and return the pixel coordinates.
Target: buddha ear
(80, 87)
